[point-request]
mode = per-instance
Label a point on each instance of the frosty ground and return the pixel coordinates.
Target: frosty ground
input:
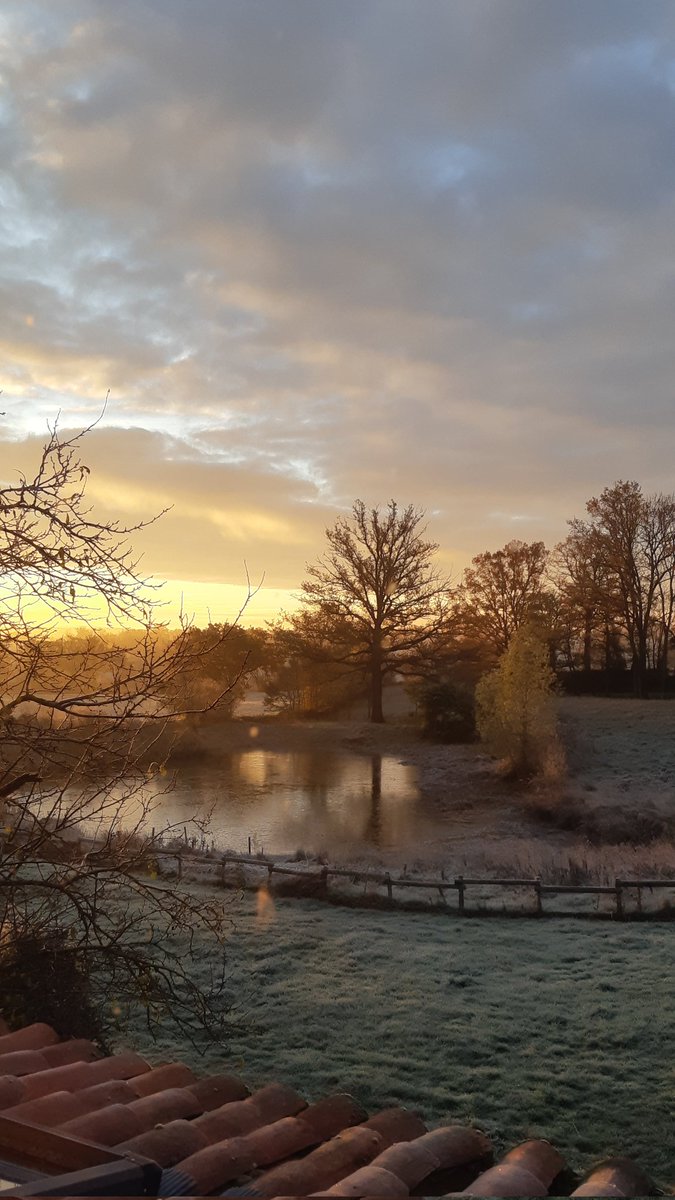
(554, 1028)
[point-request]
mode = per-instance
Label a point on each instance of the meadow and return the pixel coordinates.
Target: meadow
(555, 1028)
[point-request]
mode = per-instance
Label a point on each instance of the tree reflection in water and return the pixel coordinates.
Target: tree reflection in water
(373, 831)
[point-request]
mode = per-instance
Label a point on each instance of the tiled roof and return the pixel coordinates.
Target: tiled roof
(212, 1136)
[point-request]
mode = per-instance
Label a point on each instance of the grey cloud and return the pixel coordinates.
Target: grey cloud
(362, 248)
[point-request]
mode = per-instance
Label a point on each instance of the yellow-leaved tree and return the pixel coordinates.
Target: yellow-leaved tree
(515, 713)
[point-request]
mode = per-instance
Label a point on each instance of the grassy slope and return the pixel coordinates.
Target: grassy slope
(553, 1028)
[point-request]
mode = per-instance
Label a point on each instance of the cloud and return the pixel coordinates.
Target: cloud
(321, 251)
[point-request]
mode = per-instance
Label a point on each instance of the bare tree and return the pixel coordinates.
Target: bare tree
(81, 719)
(500, 591)
(375, 599)
(587, 598)
(635, 536)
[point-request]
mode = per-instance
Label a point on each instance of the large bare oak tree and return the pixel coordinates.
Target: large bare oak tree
(375, 599)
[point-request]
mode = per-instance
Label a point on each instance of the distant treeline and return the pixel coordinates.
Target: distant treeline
(614, 682)
(376, 607)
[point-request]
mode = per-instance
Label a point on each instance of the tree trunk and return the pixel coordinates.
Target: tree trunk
(376, 713)
(639, 668)
(588, 639)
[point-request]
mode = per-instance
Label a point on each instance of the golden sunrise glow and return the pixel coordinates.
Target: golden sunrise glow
(223, 602)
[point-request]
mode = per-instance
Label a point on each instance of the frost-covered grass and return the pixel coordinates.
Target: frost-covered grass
(554, 1028)
(621, 751)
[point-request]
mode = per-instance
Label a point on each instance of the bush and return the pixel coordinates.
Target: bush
(447, 713)
(44, 978)
(601, 825)
(514, 707)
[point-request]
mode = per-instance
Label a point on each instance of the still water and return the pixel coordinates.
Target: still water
(285, 801)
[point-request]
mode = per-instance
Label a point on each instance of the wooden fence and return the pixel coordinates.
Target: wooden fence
(155, 850)
(460, 885)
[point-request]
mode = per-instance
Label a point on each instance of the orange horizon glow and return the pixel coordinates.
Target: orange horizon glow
(223, 603)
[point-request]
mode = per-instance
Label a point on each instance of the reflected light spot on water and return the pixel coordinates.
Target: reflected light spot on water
(253, 767)
(253, 731)
(265, 908)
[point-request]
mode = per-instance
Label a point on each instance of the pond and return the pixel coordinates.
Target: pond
(312, 800)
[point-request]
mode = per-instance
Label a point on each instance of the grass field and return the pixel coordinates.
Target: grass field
(553, 1028)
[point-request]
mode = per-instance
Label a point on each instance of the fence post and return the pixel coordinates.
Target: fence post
(387, 880)
(270, 869)
(324, 880)
(460, 893)
(537, 890)
(619, 899)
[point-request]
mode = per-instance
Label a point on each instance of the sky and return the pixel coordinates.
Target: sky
(317, 250)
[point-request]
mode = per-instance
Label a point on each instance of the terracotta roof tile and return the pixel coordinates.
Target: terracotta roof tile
(272, 1143)
(329, 1116)
(323, 1167)
(505, 1180)
(216, 1090)
(321, 1121)
(539, 1157)
(169, 1105)
(410, 1161)
(527, 1170)
(74, 1076)
(11, 1091)
(616, 1177)
(342, 1155)
(31, 1037)
(216, 1165)
(414, 1161)
(396, 1125)
(232, 1120)
(22, 1062)
(265, 1145)
(454, 1145)
(74, 1050)
(110, 1125)
(59, 1107)
(369, 1181)
(120, 1122)
(170, 1075)
(169, 1144)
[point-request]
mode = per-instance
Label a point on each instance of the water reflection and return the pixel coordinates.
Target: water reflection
(373, 831)
(282, 801)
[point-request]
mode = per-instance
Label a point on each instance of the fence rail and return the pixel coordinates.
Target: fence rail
(460, 884)
(155, 850)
